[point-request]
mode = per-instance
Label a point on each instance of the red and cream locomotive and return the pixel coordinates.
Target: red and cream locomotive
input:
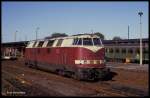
(79, 56)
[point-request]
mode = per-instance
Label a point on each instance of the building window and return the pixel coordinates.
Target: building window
(123, 50)
(117, 50)
(130, 51)
(106, 50)
(111, 50)
(145, 50)
(137, 50)
(59, 42)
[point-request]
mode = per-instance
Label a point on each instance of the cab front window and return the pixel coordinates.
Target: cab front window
(96, 41)
(87, 41)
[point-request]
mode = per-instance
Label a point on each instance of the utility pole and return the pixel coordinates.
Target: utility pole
(37, 32)
(141, 55)
(92, 31)
(35, 53)
(15, 35)
(128, 32)
(25, 37)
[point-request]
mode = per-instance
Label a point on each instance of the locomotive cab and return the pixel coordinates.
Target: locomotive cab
(91, 50)
(90, 57)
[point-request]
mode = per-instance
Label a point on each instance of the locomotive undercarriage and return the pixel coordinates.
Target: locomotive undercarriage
(77, 73)
(92, 73)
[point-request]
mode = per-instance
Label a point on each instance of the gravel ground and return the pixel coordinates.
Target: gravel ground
(129, 66)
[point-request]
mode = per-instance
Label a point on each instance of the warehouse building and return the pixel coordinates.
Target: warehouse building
(126, 50)
(13, 49)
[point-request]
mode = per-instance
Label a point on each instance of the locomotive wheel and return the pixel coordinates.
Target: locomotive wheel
(26, 63)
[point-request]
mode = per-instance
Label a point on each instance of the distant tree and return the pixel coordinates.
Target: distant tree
(59, 35)
(54, 35)
(100, 35)
(117, 38)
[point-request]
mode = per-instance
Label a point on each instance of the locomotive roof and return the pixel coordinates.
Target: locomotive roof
(73, 36)
(79, 36)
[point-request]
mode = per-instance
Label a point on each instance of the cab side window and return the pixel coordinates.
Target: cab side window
(79, 41)
(75, 41)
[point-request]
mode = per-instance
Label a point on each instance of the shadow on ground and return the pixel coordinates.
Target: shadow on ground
(108, 77)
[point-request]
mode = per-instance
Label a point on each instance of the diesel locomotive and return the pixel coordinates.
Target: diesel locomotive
(79, 56)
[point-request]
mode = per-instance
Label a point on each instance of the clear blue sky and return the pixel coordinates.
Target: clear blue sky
(110, 18)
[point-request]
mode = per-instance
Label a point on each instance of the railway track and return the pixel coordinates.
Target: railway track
(100, 88)
(119, 89)
(22, 86)
(15, 82)
(100, 92)
(7, 87)
(129, 91)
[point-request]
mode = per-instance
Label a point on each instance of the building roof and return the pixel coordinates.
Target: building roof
(144, 40)
(16, 44)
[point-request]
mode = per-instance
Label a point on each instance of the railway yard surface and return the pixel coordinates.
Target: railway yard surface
(125, 80)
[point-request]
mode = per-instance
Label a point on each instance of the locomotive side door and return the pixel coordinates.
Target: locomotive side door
(64, 58)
